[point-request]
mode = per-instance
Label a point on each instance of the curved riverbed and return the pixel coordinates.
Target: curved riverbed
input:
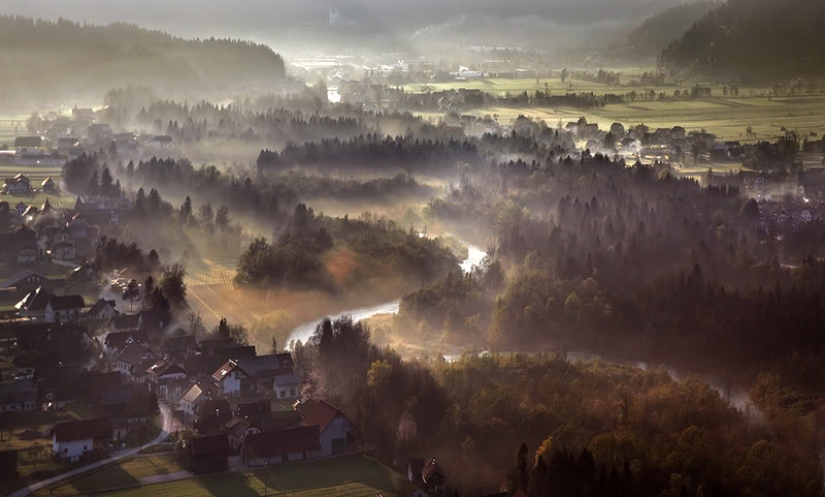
(474, 257)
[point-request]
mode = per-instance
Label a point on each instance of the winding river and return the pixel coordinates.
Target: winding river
(303, 332)
(738, 396)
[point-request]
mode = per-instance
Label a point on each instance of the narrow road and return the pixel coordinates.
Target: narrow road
(166, 416)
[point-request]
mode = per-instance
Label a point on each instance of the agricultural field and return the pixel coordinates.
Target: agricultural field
(350, 476)
(727, 117)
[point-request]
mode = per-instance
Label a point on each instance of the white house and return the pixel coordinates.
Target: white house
(103, 310)
(161, 373)
(72, 439)
(18, 395)
(62, 308)
(229, 378)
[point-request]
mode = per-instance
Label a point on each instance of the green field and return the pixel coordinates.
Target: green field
(727, 117)
(349, 476)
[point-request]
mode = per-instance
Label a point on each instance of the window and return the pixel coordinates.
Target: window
(292, 393)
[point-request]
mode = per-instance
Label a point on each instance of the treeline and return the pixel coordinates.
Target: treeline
(370, 152)
(91, 59)
(597, 430)
(298, 258)
(632, 261)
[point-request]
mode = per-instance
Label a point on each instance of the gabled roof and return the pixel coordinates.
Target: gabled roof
(101, 304)
(275, 443)
(164, 367)
(182, 342)
(83, 429)
(265, 363)
(134, 354)
(19, 276)
(236, 426)
(225, 370)
(432, 471)
(66, 302)
(318, 413)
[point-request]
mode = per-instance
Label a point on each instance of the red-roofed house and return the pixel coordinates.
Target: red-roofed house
(293, 444)
(229, 378)
(335, 429)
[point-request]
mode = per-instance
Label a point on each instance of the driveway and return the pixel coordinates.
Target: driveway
(166, 416)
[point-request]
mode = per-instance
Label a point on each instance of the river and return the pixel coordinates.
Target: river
(305, 331)
(738, 396)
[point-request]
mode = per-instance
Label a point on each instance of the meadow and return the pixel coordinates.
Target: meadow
(349, 476)
(726, 116)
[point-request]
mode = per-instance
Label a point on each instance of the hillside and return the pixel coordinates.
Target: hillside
(658, 31)
(50, 62)
(754, 41)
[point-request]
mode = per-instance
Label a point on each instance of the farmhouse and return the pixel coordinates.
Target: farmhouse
(34, 303)
(293, 444)
(116, 341)
(238, 429)
(102, 310)
(160, 374)
(64, 308)
(18, 185)
(230, 378)
(28, 142)
(72, 439)
(198, 393)
(334, 428)
(25, 281)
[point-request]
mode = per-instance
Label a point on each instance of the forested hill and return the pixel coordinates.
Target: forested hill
(44, 61)
(754, 40)
(657, 32)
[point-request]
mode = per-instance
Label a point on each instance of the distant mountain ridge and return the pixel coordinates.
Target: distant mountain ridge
(47, 60)
(754, 41)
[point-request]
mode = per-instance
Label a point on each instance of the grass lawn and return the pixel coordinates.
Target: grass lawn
(126, 473)
(350, 476)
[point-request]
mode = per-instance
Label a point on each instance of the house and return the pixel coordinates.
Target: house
(126, 402)
(116, 341)
(8, 465)
(19, 247)
(334, 428)
(272, 373)
(62, 308)
(238, 429)
(211, 415)
(28, 142)
(48, 185)
(18, 396)
(179, 348)
(130, 359)
(16, 186)
(433, 479)
(102, 310)
(72, 439)
(25, 281)
(160, 374)
(63, 250)
(274, 447)
(20, 208)
(154, 320)
(256, 412)
(194, 396)
(230, 378)
(208, 454)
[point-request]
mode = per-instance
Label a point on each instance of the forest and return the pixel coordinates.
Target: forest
(755, 41)
(61, 59)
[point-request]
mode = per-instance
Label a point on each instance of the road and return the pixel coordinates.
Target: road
(166, 416)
